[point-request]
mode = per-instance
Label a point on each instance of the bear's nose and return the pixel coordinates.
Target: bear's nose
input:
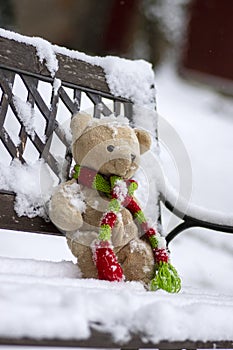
(133, 157)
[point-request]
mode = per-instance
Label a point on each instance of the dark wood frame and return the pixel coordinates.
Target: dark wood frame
(103, 340)
(19, 58)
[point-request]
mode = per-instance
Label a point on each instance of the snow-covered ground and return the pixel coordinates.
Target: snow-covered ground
(39, 298)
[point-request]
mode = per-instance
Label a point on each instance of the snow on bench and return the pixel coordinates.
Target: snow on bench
(47, 301)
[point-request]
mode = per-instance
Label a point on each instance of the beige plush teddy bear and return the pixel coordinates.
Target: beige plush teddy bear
(105, 227)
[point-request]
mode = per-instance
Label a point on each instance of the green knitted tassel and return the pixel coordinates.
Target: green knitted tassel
(166, 278)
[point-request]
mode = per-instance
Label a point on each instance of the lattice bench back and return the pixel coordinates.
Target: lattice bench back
(25, 83)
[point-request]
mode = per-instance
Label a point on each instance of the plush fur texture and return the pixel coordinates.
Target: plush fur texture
(110, 148)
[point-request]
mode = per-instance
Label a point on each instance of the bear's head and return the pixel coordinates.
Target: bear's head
(108, 145)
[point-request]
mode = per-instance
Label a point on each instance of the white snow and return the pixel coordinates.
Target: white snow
(126, 78)
(38, 269)
(32, 184)
(123, 77)
(188, 208)
(44, 49)
(46, 300)
(56, 85)
(11, 128)
(145, 118)
(26, 115)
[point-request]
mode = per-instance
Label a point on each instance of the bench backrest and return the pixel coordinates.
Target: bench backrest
(25, 82)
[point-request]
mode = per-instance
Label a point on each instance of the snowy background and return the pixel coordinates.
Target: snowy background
(46, 293)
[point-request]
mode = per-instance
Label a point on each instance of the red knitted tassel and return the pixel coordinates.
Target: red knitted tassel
(160, 255)
(107, 265)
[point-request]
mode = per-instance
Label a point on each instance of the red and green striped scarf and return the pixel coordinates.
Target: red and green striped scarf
(121, 193)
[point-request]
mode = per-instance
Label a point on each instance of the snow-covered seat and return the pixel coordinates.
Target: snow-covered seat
(40, 84)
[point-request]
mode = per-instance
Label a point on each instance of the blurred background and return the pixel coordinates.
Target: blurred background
(197, 33)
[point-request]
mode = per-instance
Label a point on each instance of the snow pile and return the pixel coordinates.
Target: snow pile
(67, 308)
(126, 78)
(44, 49)
(26, 115)
(130, 79)
(38, 269)
(32, 184)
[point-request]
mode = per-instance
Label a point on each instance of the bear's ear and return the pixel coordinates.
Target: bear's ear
(78, 124)
(144, 140)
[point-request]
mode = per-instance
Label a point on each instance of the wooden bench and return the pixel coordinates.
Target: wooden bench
(19, 61)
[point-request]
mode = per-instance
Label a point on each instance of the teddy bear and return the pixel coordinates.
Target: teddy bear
(105, 227)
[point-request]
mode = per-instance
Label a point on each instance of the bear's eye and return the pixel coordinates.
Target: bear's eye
(110, 148)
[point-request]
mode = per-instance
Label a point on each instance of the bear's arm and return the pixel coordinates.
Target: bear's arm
(66, 206)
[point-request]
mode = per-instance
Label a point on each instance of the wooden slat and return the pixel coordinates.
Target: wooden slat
(117, 107)
(10, 221)
(9, 77)
(9, 145)
(77, 99)
(12, 54)
(32, 88)
(67, 101)
(104, 340)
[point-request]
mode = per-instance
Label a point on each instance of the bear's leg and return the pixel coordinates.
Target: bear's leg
(137, 261)
(84, 255)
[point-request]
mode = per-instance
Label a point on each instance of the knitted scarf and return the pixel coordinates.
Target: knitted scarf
(120, 193)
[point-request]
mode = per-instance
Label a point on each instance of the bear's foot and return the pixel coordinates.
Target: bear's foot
(137, 261)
